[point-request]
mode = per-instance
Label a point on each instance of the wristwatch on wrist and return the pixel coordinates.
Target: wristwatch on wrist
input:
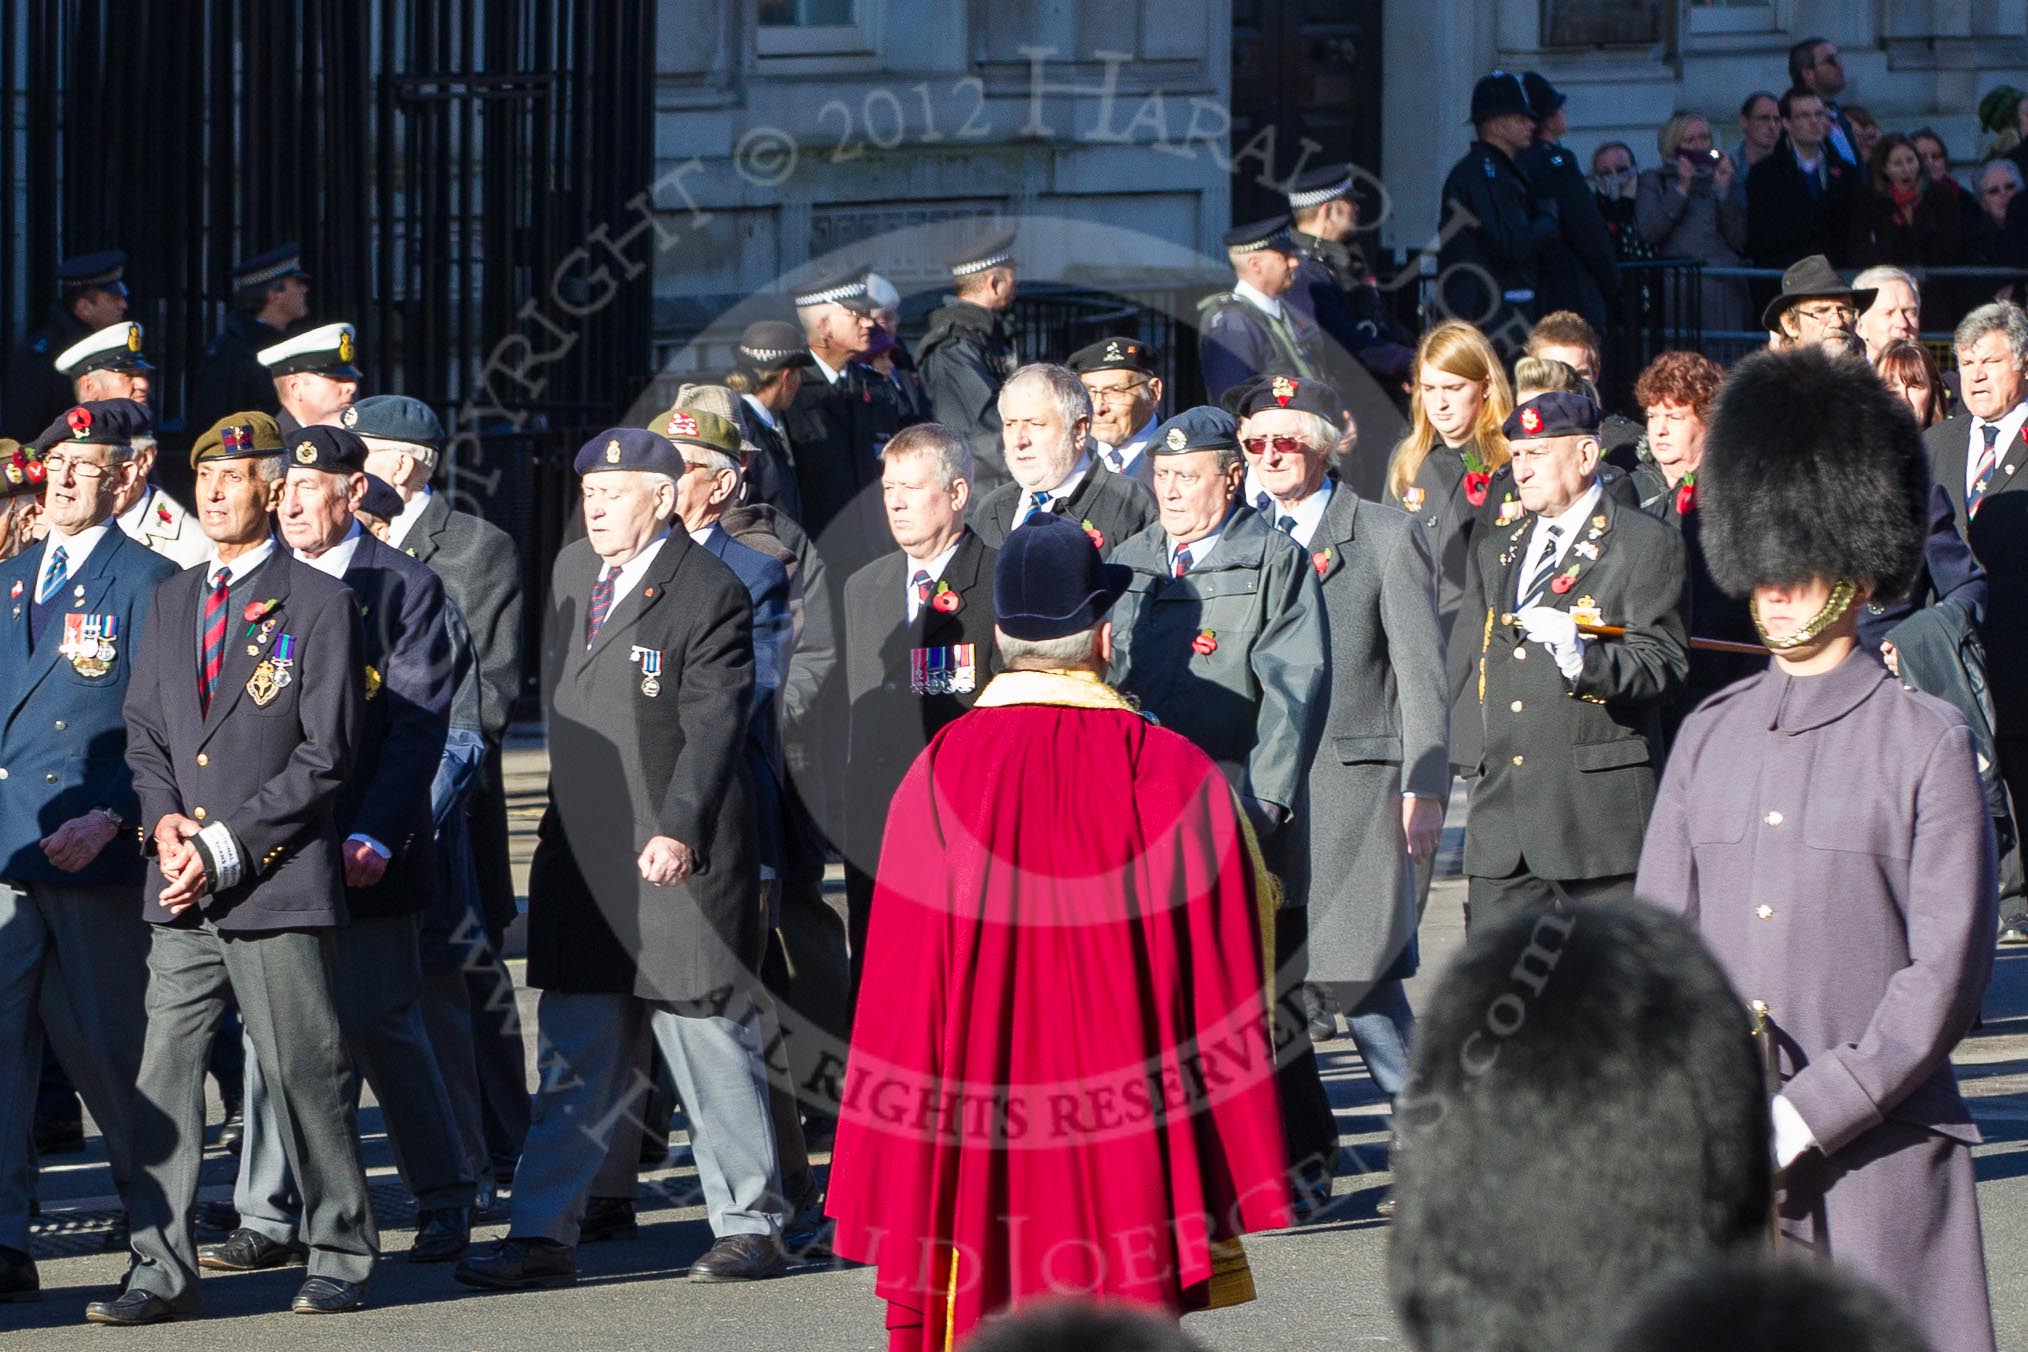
(115, 818)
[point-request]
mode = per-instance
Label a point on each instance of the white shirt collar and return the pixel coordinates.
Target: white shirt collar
(830, 376)
(410, 513)
(240, 566)
(1062, 490)
(1258, 299)
(1134, 447)
(703, 534)
(1569, 523)
(76, 550)
(1200, 549)
(334, 561)
(133, 520)
(1309, 513)
(766, 414)
(934, 567)
(631, 570)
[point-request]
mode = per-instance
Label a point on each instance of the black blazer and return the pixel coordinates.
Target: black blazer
(1113, 506)
(1567, 768)
(481, 573)
(272, 773)
(890, 722)
(634, 755)
(1784, 223)
(409, 674)
(1998, 535)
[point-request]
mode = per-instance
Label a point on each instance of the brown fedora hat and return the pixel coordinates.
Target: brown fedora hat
(1812, 278)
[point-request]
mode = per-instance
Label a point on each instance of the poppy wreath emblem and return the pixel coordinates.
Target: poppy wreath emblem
(1205, 644)
(1686, 494)
(256, 611)
(30, 466)
(1098, 537)
(80, 420)
(945, 601)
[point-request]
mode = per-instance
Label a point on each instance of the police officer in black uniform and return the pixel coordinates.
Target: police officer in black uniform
(1577, 270)
(969, 350)
(1333, 284)
(270, 297)
(91, 293)
(1488, 269)
(769, 363)
(1251, 328)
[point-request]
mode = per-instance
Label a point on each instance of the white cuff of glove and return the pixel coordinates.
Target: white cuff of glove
(1792, 1135)
(219, 850)
(1557, 632)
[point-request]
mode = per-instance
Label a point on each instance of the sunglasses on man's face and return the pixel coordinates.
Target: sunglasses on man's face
(1282, 445)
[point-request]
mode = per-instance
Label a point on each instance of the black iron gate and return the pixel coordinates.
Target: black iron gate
(437, 159)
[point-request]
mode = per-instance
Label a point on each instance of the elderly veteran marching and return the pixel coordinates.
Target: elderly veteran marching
(999, 898)
(244, 719)
(1352, 860)
(649, 674)
(70, 875)
(1045, 415)
(1123, 377)
(407, 675)
(1823, 828)
(1570, 722)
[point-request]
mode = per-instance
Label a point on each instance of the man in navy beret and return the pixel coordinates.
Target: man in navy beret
(642, 916)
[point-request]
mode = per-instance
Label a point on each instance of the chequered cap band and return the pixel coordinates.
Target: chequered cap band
(1316, 197)
(764, 355)
(998, 260)
(269, 273)
(849, 291)
(106, 278)
(1275, 240)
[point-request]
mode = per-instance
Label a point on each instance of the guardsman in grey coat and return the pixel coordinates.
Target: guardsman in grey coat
(1823, 828)
(481, 573)
(1569, 722)
(1352, 861)
(1123, 377)
(407, 675)
(967, 352)
(1045, 414)
(1221, 636)
(649, 670)
(244, 717)
(70, 876)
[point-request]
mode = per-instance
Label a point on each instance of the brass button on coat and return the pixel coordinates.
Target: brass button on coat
(1773, 819)
(1764, 912)
(203, 759)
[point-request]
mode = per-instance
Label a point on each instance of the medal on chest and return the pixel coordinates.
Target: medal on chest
(651, 669)
(951, 670)
(91, 643)
(274, 673)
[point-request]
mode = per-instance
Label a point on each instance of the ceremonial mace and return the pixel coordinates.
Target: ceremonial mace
(1703, 645)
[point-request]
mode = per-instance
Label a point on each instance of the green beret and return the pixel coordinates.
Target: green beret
(238, 436)
(699, 427)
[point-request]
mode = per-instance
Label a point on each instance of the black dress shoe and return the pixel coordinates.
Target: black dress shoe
(233, 1134)
(216, 1220)
(520, 1265)
(249, 1251)
(132, 1307)
(18, 1280)
(607, 1218)
(738, 1258)
(327, 1295)
(441, 1234)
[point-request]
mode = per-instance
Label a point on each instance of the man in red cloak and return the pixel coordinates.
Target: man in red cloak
(1061, 1079)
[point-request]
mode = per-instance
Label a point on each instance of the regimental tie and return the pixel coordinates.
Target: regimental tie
(1182, 562)
(214, 635)
(601, 603)
(1038, 503)
(1287, 525)
(59, 569)
(1982, 474)
(921, 583)
(1544, 561)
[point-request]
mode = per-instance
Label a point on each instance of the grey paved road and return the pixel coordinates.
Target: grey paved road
(1321, 1286)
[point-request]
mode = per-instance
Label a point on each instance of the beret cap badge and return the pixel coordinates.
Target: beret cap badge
(1112, 351)
(80, 420)
(235, 437)
(1176, 439)
(681, 424)
(305, 453)
(613, 451)
(1531, 421)
(1284, 389)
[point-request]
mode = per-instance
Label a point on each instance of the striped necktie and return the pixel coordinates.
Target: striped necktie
(1038, 503)
(601, 603)
(921, 583)
(1989, 460)
(52, 580)
(214, 635)
(1182, 562)
(1543, 563)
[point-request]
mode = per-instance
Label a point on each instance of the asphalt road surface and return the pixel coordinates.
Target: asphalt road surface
(1321, 1285)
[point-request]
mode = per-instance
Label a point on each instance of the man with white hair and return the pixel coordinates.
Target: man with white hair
(1896, 312)
(842, 415)
(968, 352)
(1978, 455)
(1248, 329)
(314, 376)
(1045, 417)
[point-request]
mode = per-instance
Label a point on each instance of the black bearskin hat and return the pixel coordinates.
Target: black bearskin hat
(1811, 469)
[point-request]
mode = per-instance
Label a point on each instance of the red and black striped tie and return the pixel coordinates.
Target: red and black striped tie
(214, 637)
(601, 603)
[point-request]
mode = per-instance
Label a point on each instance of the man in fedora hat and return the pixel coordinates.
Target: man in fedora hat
(1814, 301)
(995, 900)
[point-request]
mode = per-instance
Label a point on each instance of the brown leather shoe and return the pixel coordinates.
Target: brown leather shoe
(739, 1258)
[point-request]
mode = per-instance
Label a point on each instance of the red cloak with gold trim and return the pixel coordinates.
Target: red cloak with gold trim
(1061, 1078)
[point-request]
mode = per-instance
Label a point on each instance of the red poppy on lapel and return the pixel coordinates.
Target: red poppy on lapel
(1205, 643)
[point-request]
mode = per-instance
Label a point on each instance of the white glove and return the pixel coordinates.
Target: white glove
(1792, 1135)
(1556, 631)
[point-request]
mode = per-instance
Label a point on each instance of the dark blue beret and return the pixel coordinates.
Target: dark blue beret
(330, 449)
(98, 422)
(1049, 581)
(395, 417)
(634, 448)
(1558, 413)
(1304, 394)
(381, 500)
(1203, 428)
